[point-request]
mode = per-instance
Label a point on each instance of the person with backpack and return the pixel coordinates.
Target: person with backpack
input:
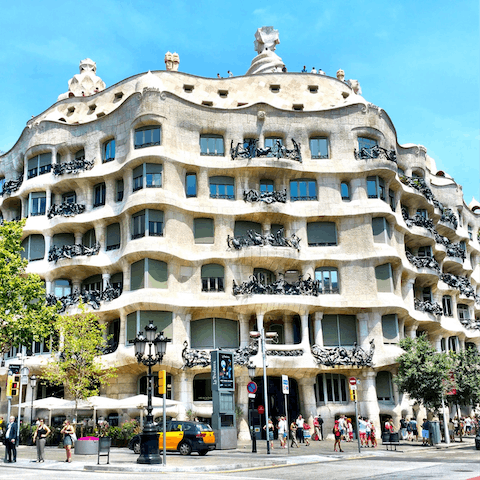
(338, 437)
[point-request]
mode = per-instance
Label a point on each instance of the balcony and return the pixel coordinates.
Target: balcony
(375, 151)
(267, 197)
(250, 149)
(12, 185)
(254, 239)
(341, 356)
(423, 262)
(70, 251)
(279, 287)
(428, 306)
(75, 166)
(65, 210)
(420, 185)
(449, 217)
(460, 283)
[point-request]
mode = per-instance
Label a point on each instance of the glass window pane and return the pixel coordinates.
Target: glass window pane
(348, 330)
(330, 331)
(226, 333)
(390, 327)
(202, 333)
(137, 277)
(372, 187)
(203, 230)
(383, 274)
(157, 274)
(191, 185)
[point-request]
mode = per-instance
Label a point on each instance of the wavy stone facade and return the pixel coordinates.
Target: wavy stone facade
(349, 256)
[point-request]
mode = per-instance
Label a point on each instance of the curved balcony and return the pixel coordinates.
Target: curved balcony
(256, 239)
(251, 150)
(374, 152)
(70, 251)
(266, 197)
(281, 287)
(12, 186)
(75, 166)
(423, 262)
(460, 283)
(341, 356)
(419, 185)
(428, 307)
(65, 210)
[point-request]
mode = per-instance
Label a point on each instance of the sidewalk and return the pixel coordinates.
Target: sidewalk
(122, 459)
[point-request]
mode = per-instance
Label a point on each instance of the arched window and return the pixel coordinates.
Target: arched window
(345, 190)
(364, 142)
(108, 151)
(212, 278)
(214, 333)
(265, 277)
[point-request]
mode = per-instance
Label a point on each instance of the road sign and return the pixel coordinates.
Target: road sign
(352, 381)
(252, 387)
(285, 387)
(252, 395)
(261, 409)
(353, 387)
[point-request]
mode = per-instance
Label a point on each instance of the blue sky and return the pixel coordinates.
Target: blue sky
(418, 60)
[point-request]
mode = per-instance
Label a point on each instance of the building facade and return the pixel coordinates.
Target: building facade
(215, 207)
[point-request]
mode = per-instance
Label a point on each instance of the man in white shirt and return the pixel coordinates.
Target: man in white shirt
(362, 430)
(300, 421)
(313, 70)
(282, 432)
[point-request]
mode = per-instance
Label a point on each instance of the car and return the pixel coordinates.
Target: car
(183, 437)
(477, 441)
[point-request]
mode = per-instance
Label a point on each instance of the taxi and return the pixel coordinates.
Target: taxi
(183, 437)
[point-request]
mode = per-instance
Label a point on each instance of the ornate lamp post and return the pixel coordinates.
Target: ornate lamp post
(149, 438)
(251, 373)
(33, 384)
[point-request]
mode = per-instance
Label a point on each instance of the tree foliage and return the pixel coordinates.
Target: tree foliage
(423, 373)
(24, 315)
(466, 373)
(76, 364)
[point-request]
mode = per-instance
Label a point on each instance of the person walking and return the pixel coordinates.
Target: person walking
(40, 438)
(317, 427)
(338, 437)
(306, 434)
(362, 431)
(425, 432)
(403, 428)
(414, 426)
(300, 422)
(68, 439)
(271, 428)
(11, 440)
(282, 431)
(293, 434)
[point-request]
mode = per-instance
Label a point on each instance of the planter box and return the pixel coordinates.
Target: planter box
(86, 447)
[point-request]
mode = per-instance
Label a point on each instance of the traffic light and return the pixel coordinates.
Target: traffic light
(9, 385)
(353, 395)
(15, 385)
(162, 382)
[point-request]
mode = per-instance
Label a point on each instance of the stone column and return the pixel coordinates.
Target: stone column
(411, 331)
(305, 331)
(242, 402)
(48, 287)
(123, 328)
(438, 343)
(105, 280)
(48, 199)
(307, 399)
(101, 236)
(110, 191)
(318, 328)
(363, 332)
(48, 244)
(409, 293)
(203, 189)
(243, 320)
(78, 238)
(367, 399)
(183, 393)
(288, 329)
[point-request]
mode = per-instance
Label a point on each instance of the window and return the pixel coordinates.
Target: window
(390, 328)
(345, 191)
(463, 245)
(148, 273)
(319, 147)
(425, 251)
(69, 197)
(2, 183)
(212, 276)
(202, 387)
(470, 232)
(38, 203)
(447, 306)
(39, 164)
(89, 238)
(42, 347)
(99, 193)
(384, 276)
(443, 345)
(463, 312)
(152, 218)
(320, 234)
(328, 278)
(93, 283)
(242, 227)
(453, 344)
(266, 186)
(339, 330)
(116, 280)
(274, 143)
(34, 248)
(119, 190)
(62, 239)
(376, 188)
(137, 321)
(222, 187)
(331, 388)
(113, 236)
(364, 142)
(384, 386)
(191, 185)
(147, 136)
(211, 145)
(142, 386)
(305, 189)
(391, 199)
(214, 333)
(203, 230)
(422, 212)
(62, 287)
(426, 294)
(265, 277)
(381, 230)
(152, 172)
(80, 154)
(108, 151)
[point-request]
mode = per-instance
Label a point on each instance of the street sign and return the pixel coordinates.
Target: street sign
(261, 409)
(353, 387)
(251, 395)
(352, 381)
(252, 387)
(285, 387)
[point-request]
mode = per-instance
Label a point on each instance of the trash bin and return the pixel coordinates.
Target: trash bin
(435, 434)
(386, 437)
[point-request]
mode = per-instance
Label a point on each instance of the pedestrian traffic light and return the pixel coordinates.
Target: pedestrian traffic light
(162, 382)
(9, 385)
(15, 385)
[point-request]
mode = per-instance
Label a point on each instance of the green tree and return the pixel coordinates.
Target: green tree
(466, 374)
(423, 373)
(23, 312)
(76, 363)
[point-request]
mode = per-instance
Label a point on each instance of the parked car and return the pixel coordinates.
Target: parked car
(183, 437)
(477, 441)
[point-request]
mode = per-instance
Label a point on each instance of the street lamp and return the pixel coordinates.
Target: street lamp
(149, 438)
(33, 384)
(264, 337)
(251, 373)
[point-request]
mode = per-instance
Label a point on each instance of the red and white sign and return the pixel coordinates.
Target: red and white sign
(352, 381)
(261, 409)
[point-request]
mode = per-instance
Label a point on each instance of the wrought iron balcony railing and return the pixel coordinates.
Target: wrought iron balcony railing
(449, 217)
(75, 166)
(338, 356)
(456, 250)
(423, 262)
(429, 307)
(470, 323)
(65, 209)
(418, 184)
(250, 149)
(12, 185)
(267, 197)
(279, 287)
(70, 251)
(375, 151)
(256, 239)
(461, 283)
